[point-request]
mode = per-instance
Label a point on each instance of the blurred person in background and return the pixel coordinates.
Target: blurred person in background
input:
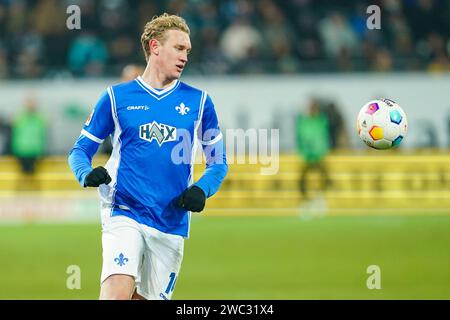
(339, 40)
(5, 136)
(3, 62)
(241, 43)
(336, 124)
(88, 55)
(280, 39)
(47, 21)
(313, 143)
(131, 72)
(383, 61)
(29, 141)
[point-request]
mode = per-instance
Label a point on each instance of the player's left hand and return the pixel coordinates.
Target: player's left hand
(192, 199)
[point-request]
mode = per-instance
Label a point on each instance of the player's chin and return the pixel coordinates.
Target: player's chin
(178, 72)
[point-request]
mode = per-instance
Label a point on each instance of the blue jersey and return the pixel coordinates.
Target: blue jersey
(155, 134)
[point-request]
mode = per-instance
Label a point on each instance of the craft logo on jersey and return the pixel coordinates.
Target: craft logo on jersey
(145, 108)
(157, 131)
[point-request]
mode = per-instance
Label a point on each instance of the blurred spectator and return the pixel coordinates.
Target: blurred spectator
(336, 126)
(439, 60)
(5, 137)
(426, 16)
(448, 130)
(400, 35)
(16, 16)
(440, 63)
(145, 10)
(382, 61)
(240, 41)
(312, 131)
(3, 63)
(30, 55)
(46, 17)
(87, 55)
(242, 36)
(214, 60)
(29, 136)
(279, 37)
(47, 21)
(428, 134)
(3, 13)
(337, 36)
(131, 71)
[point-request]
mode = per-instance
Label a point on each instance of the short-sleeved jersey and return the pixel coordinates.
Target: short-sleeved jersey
(154, 134)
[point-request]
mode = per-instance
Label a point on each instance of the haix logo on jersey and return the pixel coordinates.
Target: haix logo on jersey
(157, 131)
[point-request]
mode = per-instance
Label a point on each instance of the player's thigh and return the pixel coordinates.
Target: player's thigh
(161, 266)
(123, 247)
(117, 287)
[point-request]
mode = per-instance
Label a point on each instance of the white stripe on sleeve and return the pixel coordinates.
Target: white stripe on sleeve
(208, 143)
(91, 136)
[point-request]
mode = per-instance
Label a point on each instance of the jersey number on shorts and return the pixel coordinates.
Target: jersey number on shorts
(171, 285)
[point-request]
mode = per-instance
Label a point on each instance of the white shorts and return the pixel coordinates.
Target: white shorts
(152, 257)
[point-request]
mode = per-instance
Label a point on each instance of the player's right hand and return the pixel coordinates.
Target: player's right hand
(192, 199)
(97, 177)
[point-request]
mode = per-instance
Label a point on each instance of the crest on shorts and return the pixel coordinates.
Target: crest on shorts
(121, 260)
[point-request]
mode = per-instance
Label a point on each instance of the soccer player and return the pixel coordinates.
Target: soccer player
(146, 187)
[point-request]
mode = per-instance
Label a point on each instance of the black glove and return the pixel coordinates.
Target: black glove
(192, 199)
(97, 177)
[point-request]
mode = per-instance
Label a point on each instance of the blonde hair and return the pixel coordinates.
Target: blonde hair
(157, 27)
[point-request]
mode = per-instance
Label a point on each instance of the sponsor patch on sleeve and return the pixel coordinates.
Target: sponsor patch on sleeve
(88, 121)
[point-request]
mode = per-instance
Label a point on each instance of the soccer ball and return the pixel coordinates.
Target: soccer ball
(382, 124)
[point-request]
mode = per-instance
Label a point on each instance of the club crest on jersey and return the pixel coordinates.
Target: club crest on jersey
(157, 131)
(182, 109)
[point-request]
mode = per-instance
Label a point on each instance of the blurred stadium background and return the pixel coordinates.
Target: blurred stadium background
(263, 62)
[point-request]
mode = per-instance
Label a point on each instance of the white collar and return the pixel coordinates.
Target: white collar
(155, 91)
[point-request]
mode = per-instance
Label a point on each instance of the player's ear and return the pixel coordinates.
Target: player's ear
(153, 45)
